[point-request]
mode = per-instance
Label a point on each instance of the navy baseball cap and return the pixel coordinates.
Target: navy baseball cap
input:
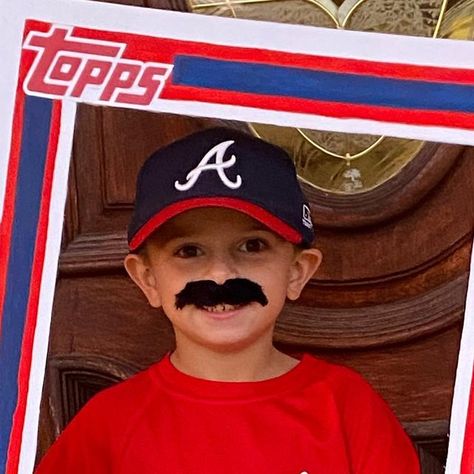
(221, 167)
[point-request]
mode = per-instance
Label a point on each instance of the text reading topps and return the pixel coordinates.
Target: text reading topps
(90, 70)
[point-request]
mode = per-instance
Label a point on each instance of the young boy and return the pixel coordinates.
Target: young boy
(220, 237)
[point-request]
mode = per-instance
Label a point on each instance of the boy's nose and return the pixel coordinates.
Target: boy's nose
(221, 268)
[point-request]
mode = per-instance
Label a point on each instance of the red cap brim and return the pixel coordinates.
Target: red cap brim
(274, 223)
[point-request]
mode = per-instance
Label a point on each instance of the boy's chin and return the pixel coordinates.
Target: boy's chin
(228, 345)
(227, 328)
(232, 339)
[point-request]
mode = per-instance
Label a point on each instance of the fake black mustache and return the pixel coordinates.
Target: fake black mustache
(237, 291)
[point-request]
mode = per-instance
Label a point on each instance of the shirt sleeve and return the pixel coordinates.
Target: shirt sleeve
(81, 447)
(376, 441)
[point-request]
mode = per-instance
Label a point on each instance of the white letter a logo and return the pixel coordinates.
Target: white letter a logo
(220, 165)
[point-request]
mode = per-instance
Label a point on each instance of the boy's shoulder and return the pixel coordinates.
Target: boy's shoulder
(337, 376)
(125, 397)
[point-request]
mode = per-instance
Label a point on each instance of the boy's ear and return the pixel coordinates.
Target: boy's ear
(305, 265)
(141, 272)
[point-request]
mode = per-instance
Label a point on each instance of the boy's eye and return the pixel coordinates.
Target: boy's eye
(253, 245)
(188, 251)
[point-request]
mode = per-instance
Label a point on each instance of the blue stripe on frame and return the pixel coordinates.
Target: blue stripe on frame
(34, 146)
(301, 83)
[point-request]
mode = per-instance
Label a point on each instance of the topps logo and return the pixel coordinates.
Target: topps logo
(85, 69)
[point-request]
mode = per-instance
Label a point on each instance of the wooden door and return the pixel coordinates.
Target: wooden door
(387, 301)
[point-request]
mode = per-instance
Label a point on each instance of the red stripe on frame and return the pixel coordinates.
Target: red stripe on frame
(327, 109)
(10, 196)
(147, 48)
(467, 463)
(257, 212)
(33, 300)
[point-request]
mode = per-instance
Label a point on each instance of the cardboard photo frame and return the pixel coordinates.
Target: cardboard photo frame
(57, 54)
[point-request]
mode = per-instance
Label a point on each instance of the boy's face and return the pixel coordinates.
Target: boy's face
(220, 244)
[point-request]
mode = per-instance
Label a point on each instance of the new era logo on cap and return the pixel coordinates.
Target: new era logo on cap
(224, 168)
(307, 217)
